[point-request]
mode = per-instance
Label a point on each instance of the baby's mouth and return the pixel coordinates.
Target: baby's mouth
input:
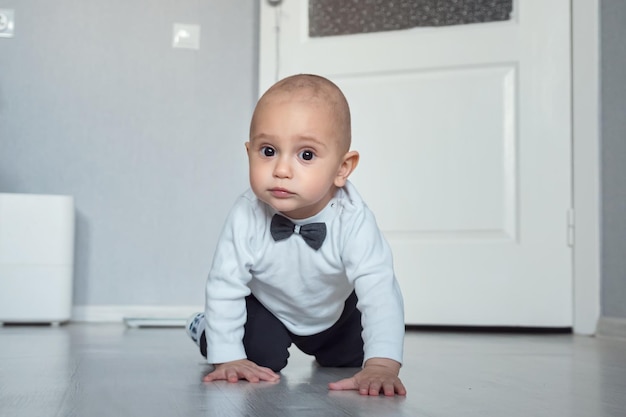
(280, 192)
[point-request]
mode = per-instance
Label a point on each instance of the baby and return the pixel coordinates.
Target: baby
(300, 259)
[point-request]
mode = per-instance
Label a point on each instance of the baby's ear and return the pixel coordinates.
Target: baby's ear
(349, 163)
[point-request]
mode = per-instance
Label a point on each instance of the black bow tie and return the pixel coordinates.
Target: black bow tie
(313, 233)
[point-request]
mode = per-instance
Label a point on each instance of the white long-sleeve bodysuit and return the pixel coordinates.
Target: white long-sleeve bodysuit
(304, 288)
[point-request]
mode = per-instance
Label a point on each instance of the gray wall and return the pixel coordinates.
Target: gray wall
(613, 133)
(95, 103)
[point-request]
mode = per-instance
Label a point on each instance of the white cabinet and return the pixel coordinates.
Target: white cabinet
(36, 258)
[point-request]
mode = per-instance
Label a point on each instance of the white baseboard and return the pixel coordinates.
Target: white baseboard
(611, 327)
(120, 313)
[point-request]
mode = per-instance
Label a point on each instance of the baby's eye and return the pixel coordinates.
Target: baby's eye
(307, 155)
(268, 151)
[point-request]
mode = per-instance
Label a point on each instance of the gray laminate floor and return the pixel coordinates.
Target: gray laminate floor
(109, 370)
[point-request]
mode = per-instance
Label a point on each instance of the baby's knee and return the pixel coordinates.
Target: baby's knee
(275, 363)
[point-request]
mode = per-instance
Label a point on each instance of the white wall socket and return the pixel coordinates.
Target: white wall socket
(186, 36)
(7, 23)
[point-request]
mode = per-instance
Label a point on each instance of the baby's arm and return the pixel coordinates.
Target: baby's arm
(378, 375)
(241, 369)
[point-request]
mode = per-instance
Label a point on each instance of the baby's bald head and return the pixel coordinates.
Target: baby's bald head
(319, 91)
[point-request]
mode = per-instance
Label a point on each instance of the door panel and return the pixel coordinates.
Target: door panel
(472, 159)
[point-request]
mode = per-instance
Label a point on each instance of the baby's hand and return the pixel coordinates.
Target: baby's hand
(378, 375)
(241, 369)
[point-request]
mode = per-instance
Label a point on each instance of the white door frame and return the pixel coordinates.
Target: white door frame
(585, 163)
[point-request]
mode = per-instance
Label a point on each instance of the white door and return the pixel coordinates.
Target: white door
(464, 135)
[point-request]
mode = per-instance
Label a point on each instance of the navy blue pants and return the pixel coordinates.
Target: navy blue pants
(266, 339)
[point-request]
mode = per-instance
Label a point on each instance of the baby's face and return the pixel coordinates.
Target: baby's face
(295, 154)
